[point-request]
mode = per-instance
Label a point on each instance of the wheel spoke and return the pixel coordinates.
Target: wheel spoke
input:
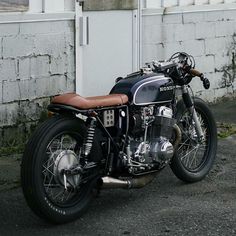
(60, 154)
(188, 153)
(191, 153)
(52, 185)
(50, 180)
(183, 144)
(47, 169)
(194, 159)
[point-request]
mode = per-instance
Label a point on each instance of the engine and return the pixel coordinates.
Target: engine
(152, 131)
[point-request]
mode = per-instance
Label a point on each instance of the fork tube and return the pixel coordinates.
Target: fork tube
(188, 101)
(198, 125)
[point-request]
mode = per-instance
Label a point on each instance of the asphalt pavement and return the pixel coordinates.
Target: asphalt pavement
(167, 206)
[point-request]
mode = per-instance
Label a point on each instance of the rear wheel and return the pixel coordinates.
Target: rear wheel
(54, 147)
(193, 159)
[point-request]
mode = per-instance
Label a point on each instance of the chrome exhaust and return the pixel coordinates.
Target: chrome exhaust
(178, 137)
(139, 182)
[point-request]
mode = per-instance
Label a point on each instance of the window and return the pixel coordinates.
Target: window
(14, 5)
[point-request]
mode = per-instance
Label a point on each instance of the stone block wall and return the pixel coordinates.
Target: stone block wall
(37, 59)
(36, 63)
(210, 36)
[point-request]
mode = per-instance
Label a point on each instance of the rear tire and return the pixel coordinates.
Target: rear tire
(55, 143)
(186, 165)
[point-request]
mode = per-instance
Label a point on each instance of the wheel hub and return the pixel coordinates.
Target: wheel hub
(65, 160)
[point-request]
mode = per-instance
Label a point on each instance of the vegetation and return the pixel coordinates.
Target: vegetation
(226, 130)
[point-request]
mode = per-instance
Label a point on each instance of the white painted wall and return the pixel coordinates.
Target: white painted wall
(201, 2)
(153, 4)
(69, 5)
(37, 59)
(35, 6)
(36, 62)
(207, 33)
(170, 3)
(53, 5)
(186, 2)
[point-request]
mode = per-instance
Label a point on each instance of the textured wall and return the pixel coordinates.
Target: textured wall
(209, 36)
(36, 62)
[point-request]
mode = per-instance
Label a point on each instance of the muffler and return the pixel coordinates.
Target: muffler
(139, 182)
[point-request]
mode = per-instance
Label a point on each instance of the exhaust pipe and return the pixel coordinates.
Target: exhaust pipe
(139, 182)
(109, 182)
(178, 137)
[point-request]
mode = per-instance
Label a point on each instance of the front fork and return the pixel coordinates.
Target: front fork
(188, 101)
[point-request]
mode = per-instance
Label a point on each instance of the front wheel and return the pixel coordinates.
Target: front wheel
(193, 159)
(54, 147)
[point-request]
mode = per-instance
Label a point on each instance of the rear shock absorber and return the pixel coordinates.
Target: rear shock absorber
(88, 143)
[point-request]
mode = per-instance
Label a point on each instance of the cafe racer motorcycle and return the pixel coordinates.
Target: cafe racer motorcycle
(149, 120)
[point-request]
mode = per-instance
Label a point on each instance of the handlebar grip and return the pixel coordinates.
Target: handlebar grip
(195, 73)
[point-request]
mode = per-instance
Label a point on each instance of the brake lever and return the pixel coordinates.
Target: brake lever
(206, 82)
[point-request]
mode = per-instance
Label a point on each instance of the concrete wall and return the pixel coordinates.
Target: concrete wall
(36, 62)
(208, 34)
(37, 56)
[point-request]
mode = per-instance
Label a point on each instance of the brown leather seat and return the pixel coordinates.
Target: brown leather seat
(79, 102)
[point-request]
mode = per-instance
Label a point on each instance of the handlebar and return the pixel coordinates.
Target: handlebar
(188, 63)
(180, 68)
(195, 73)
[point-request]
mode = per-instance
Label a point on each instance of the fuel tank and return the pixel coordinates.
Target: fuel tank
(143, 89)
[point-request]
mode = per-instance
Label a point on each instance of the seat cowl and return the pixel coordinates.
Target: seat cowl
(77, 101)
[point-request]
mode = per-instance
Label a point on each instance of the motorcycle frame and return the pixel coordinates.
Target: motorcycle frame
(65, 109)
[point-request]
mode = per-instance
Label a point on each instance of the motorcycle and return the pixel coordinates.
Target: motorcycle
(149, 120)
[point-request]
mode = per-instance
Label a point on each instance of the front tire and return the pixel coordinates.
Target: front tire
(193, 160)
(55, 145)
